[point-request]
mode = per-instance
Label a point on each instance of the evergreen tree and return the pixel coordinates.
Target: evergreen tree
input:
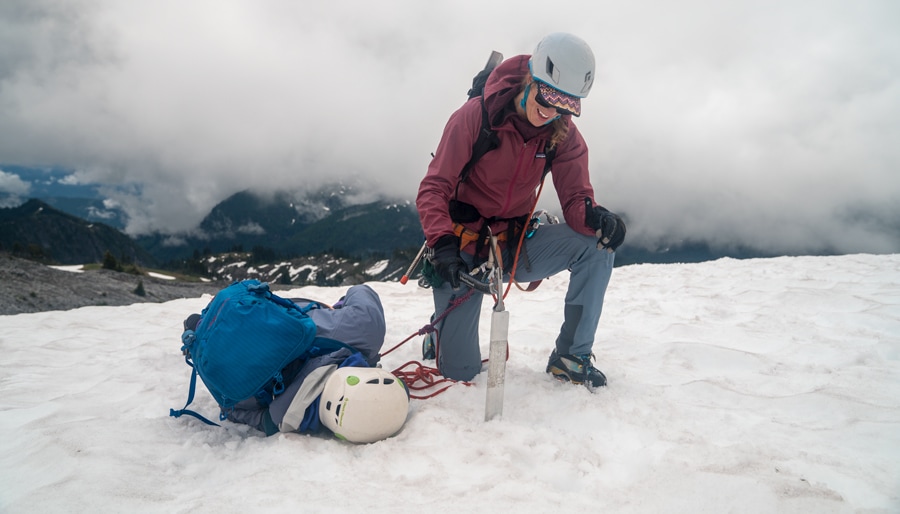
(110, 262)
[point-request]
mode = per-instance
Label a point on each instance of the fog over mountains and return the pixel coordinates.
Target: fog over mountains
(282, 225)
(348, 219)
(286, 225)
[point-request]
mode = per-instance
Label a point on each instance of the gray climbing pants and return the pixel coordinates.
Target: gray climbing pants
(552, 249)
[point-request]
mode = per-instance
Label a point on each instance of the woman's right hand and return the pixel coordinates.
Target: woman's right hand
(446, 260)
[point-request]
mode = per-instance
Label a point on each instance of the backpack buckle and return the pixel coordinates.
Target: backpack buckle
(187, 339)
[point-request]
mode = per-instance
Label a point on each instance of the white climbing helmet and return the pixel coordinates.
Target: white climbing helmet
(565, 62)
(363, 405)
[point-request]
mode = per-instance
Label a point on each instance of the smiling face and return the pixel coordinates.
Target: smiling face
(536, 114)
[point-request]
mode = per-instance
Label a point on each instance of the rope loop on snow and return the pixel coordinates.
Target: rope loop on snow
(422, 377)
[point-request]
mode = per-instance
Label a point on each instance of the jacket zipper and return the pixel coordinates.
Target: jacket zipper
(512, 183)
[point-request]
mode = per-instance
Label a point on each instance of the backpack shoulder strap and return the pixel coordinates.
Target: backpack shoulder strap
(487, 140)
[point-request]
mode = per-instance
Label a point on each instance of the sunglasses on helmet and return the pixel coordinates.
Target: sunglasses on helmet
(552, 98)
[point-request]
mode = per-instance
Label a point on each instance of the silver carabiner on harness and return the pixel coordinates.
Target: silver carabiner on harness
(535, 222)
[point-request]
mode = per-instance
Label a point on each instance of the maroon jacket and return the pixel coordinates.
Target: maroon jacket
(504, 182)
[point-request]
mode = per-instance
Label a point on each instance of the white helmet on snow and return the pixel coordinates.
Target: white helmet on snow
(363, 405)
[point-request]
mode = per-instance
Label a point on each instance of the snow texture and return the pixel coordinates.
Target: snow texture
(735, 386)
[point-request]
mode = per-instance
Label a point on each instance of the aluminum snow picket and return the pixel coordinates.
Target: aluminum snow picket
(493, 405)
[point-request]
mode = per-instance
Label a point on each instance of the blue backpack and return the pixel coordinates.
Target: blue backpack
(244, 340)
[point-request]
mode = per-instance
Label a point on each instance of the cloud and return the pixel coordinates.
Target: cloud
(769, 124)
(12, 184)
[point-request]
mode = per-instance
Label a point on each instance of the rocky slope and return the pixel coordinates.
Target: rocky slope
(27, 286)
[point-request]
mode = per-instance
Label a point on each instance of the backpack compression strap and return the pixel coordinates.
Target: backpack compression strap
(177, 413)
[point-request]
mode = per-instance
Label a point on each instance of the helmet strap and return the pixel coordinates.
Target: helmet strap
(525, 99)
(525, 96)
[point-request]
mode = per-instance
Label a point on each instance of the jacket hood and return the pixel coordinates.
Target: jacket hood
(503, 83)
(500, 90)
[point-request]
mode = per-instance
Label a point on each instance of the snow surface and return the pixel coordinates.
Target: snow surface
(735, 386)
(74, 268)
(377, 268)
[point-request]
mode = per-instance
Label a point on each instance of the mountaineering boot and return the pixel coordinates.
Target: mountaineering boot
(428, 347)
(429, 344)
(577, 369)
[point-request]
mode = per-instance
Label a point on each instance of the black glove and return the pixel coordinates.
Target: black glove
(446, 260)
(609, 226)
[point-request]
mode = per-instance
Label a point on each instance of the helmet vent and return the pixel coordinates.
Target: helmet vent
(378, 412)
(551, 70)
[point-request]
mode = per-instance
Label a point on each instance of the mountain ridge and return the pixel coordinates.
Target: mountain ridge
(289, 227)
(44, 233)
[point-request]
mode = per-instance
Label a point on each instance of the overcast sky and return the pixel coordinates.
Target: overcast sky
(772, 124)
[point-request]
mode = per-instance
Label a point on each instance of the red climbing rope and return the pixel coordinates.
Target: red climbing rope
(424, 377)
(429, 328)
